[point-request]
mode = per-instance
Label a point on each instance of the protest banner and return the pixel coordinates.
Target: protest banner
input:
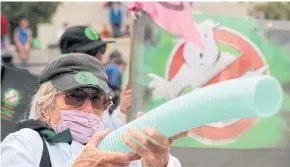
(17, 88)
(165, 65)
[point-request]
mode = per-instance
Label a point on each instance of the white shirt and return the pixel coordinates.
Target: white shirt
(24, 148)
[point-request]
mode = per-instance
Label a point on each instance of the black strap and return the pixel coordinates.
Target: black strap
(46, 134)
(37, 126)
(45, 158)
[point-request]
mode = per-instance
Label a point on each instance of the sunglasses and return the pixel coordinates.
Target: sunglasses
(77, 97)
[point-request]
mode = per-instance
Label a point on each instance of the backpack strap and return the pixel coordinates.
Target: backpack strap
(38, 127)
(45, 158)
(47, 135)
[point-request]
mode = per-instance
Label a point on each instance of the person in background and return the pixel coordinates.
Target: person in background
(114, 70)
(83, 39)
(61, 30)
(114, 54)
(105, 33)
(86, 40)
(116, 19)
(126, 33)
(22, 39)
(4, 31)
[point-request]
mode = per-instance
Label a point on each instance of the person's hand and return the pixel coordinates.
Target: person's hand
(153, 155)
(125, 101)
(92, 157)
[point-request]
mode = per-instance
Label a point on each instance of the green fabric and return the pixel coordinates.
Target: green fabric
(53, 137)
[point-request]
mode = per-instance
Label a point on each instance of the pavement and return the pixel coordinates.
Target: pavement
(194, 157)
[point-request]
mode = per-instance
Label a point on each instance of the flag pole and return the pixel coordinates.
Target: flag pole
(129, 85)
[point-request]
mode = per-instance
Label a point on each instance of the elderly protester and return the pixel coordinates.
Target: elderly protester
(67, 123)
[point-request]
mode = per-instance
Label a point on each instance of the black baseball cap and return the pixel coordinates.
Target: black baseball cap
(75, 70)
(81, 39)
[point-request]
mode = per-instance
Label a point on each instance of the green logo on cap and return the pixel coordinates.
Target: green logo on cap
(86, 78)
(92, 34)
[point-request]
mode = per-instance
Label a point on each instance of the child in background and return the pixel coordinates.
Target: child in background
(116, 19)
(22, 39)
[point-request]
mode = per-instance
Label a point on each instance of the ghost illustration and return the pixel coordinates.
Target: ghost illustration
(199, 67)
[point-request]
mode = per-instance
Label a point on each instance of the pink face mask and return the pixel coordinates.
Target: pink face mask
(82, 125)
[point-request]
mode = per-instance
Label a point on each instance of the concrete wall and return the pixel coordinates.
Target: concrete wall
(75, 13)
(234, 9)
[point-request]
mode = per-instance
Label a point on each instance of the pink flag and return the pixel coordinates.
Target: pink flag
(175, 17)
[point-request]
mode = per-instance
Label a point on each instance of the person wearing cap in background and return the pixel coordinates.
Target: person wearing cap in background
(65, 123)
(84, 39)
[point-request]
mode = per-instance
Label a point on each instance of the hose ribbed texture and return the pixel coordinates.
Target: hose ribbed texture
(247, 97)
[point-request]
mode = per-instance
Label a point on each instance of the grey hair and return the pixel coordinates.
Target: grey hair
(42, 101)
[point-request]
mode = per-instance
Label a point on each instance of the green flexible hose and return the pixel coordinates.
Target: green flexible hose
(246, 97)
